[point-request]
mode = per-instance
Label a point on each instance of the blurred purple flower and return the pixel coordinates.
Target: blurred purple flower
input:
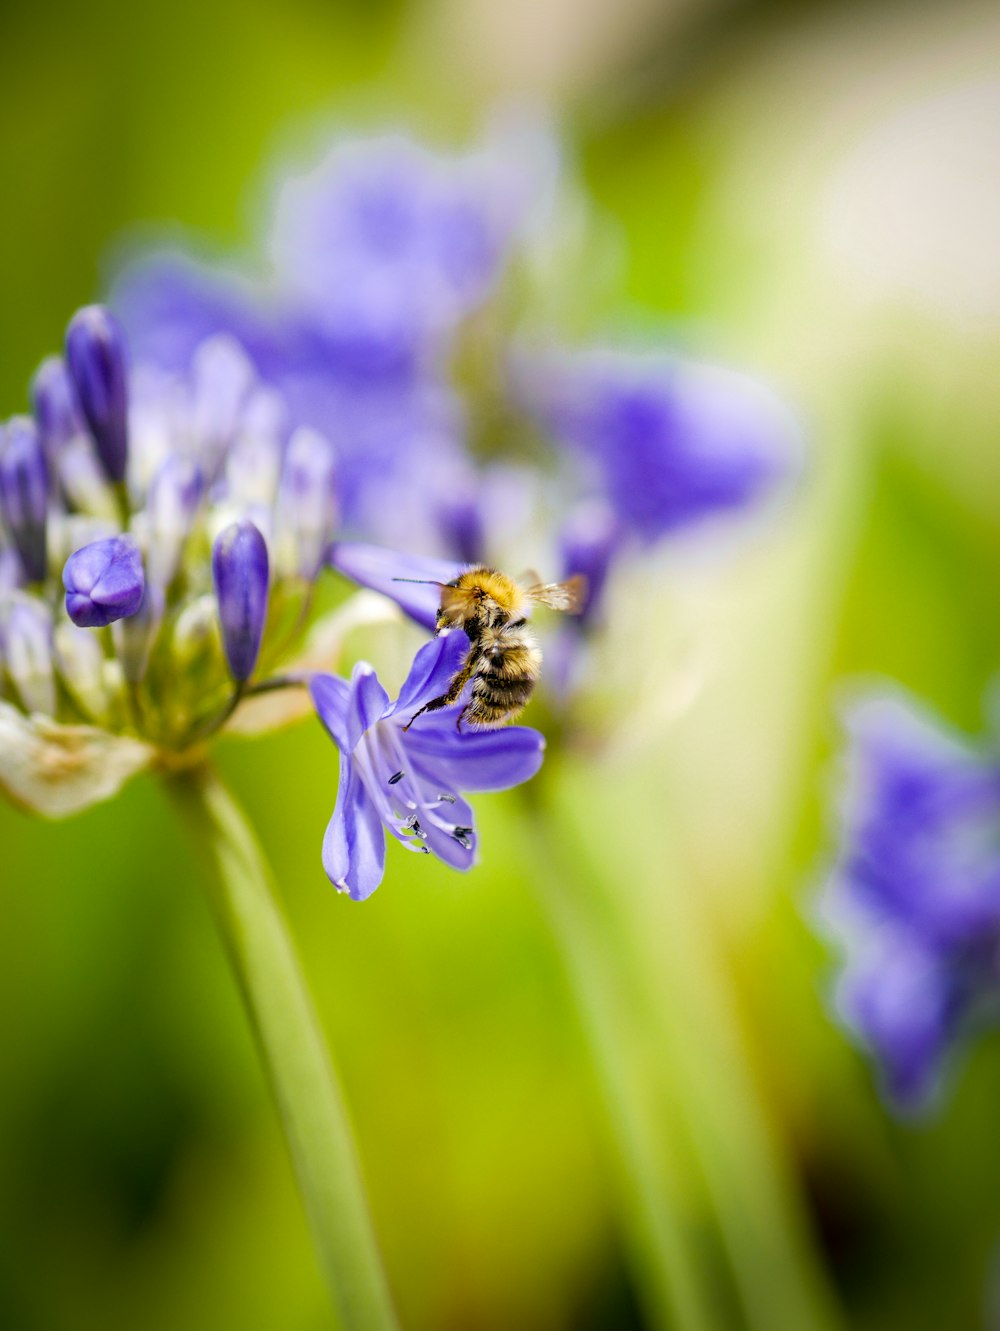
(669, 443)
(409, 782)
(914, 892)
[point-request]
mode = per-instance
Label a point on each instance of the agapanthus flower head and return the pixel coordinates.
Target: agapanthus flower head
(192, 585)
(130, 535)
(914, 893)
(406, 779)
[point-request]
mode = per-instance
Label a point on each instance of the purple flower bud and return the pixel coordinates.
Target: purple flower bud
(54, 403)
(104, 581)
(24, 494)
(95, 353)
(241, 572)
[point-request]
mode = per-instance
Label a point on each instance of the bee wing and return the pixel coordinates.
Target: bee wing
(566, 596)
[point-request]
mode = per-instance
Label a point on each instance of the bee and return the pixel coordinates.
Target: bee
(504, 659)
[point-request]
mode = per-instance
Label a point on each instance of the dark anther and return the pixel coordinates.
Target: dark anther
(397, 776)
(463, 835)
(446, 798)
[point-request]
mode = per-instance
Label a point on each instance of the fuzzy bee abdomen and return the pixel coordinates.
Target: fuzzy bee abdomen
(502, 685)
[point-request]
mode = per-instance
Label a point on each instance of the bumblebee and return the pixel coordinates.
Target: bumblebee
(504, 659)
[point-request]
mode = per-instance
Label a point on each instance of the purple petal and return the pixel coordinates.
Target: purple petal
(475, 759)
(368, 703)
(331, 698)
(434, 667)
(905, 1005)
(376, 567)
(354, 844)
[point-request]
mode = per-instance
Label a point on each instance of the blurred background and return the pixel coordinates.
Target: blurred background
(807, 190)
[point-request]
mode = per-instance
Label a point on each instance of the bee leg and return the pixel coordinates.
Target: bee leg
(434, 705)
(454, 690)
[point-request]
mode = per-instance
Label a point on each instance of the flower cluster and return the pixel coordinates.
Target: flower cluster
(162, 534)
(182, 511)
(165, 523)
(914, 894)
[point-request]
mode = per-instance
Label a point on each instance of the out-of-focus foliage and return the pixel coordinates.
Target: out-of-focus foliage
(744, 157)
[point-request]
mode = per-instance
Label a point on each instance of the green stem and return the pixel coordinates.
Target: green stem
(669, 1276)
(242, 897)
(779, 1278)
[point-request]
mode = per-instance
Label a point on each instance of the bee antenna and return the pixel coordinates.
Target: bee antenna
(424, 582)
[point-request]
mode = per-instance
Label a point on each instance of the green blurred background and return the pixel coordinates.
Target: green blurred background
(809, 191)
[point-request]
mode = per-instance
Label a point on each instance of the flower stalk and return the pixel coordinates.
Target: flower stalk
(777, 1276)
(670, 1279)
(242, 898)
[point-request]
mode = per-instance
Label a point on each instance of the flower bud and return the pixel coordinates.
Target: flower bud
(240, 571)
(56, 412)
(223, 377)
(24, 494)
(27, 649)
(307, 500)
(104, 581)
(174, 495)
(95, 353)
(253, 463)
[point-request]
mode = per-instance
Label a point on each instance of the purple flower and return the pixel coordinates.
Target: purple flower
(241, 573)
(669, 443)
(24, 494)
(906, 1003)
(95, 354)
(412, 581)
(409, 782)
(54, 404)
(914, 892)
(392, 238)
(104, 582)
